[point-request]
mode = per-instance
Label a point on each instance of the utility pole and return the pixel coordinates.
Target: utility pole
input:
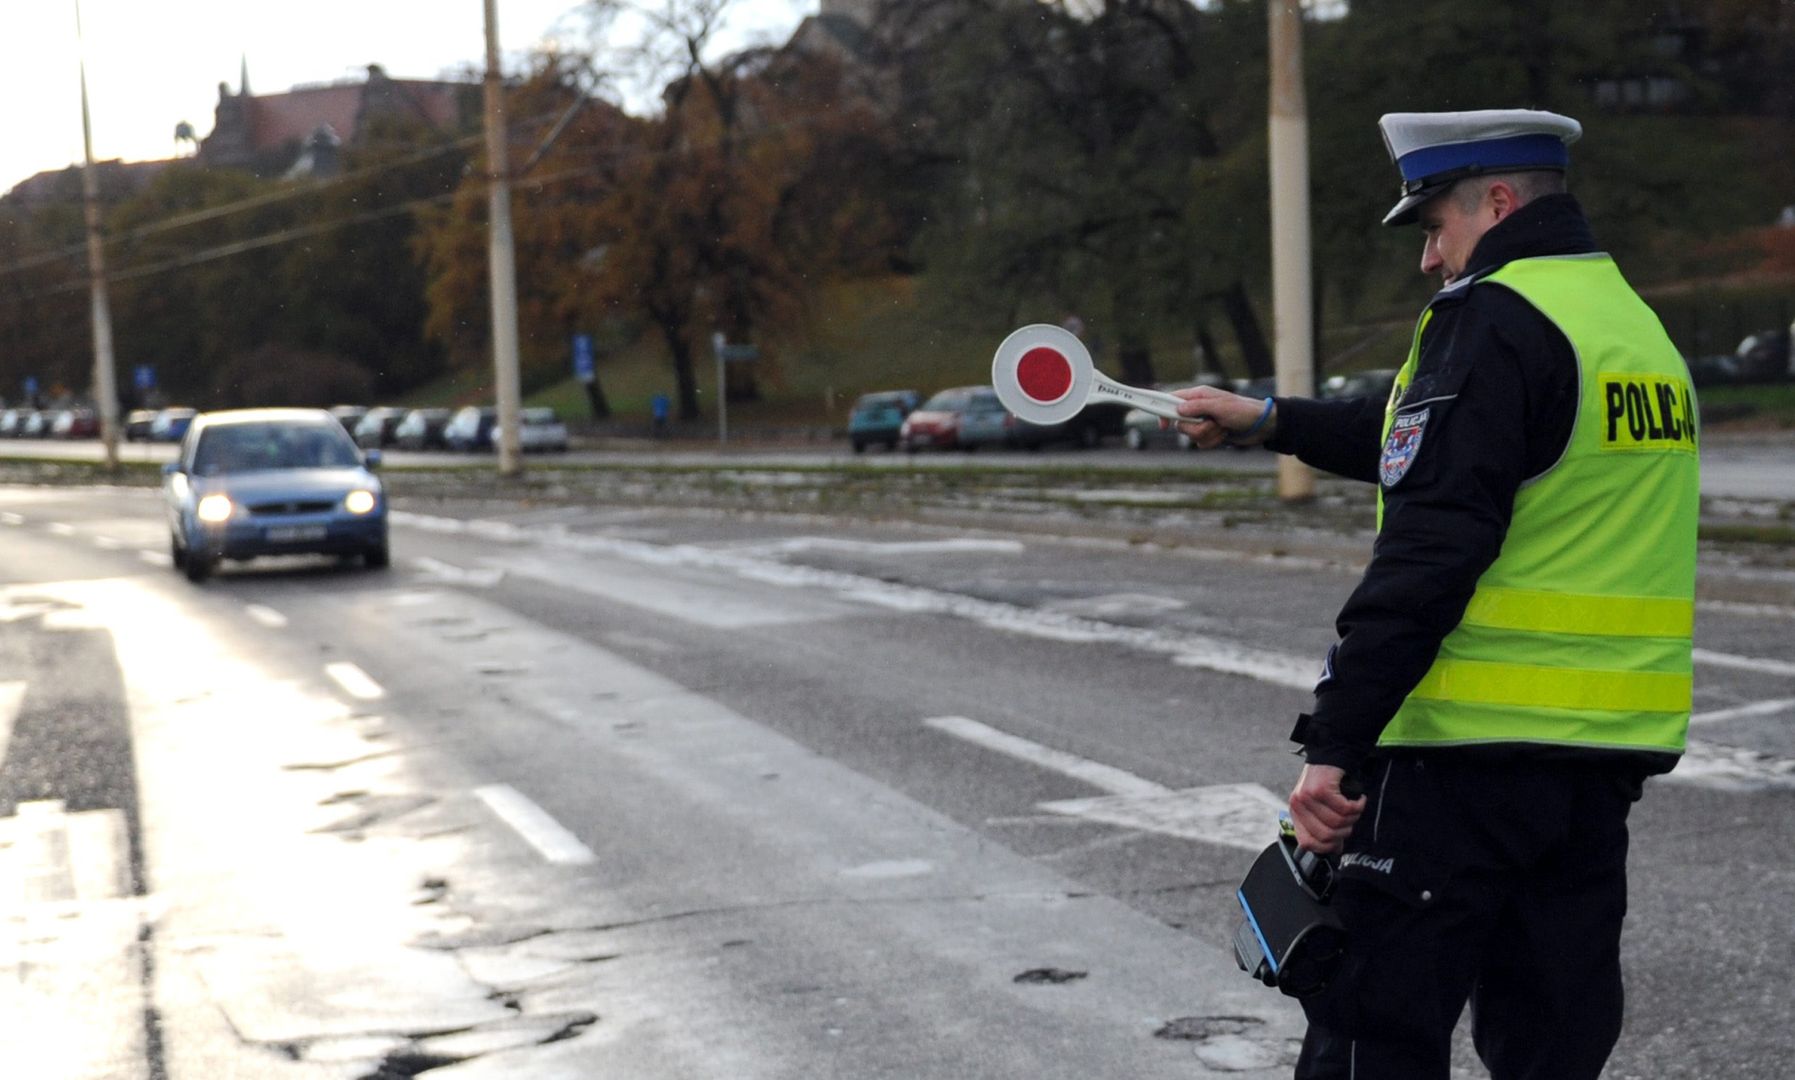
(502, 258)
(105, 386)
(719, 345)
(1293, 304)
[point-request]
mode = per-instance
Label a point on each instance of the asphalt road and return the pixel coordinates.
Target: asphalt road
(580, 790)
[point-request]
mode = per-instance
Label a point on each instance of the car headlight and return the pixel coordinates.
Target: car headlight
(214, 509)
(359, 501)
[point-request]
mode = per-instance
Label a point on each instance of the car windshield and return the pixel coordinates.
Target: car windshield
(946, 401)
(235, 448)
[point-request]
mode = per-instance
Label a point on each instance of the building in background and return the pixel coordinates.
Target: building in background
(301, 132)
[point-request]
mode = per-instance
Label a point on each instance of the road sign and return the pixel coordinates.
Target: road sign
(144, 376)
(31, 386)
(582, 358)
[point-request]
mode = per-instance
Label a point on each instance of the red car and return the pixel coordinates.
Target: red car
(936, 423)
(75, 424)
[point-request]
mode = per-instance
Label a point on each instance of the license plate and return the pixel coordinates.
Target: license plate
(294, 534)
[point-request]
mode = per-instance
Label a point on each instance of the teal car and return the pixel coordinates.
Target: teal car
(877, 418)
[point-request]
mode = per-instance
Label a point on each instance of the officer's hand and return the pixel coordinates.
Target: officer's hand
(1322, 815)
(1217, 417)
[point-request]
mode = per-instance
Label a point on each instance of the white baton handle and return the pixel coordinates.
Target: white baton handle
(1157, 402)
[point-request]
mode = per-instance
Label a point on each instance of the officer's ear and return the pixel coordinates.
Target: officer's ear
(1501, 200)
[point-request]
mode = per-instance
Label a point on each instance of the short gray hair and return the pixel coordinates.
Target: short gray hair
(1528, 185)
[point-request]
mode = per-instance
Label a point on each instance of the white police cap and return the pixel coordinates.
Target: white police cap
(1433, 150)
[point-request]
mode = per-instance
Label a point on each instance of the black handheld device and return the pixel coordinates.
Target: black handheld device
(1289, 937)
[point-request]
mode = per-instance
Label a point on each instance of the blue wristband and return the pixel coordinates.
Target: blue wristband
(1264, 415)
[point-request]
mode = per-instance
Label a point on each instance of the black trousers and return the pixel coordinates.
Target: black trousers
(1498, 882)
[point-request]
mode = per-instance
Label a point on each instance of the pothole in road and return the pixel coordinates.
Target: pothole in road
(1049, 976)
(1230, 1043)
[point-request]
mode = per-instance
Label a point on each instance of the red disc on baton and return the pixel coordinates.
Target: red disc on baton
(1044, 374)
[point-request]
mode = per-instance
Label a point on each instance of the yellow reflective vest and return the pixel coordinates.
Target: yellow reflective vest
(1579, 633)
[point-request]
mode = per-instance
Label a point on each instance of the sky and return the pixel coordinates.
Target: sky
(152, 64)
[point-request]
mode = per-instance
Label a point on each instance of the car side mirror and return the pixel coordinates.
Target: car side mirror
(371, 458)
(170, 468)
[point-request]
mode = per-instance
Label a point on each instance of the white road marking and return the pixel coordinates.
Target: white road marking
(1730, 768)
(1186, 649)
(51, 856)
(455, 575)
(1734, 607)
(799, 544)
(1740, 712)
(109, 543)
(60, 528)
(155, 558)
(267, 616)
(1744, 663)
(1116, 605)
(549, 837)
(1105, 777)
(354, 681)
(1235, 815)
(9, 518)
(12, 695)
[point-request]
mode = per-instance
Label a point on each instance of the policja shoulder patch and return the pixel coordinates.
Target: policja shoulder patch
(1400, 448)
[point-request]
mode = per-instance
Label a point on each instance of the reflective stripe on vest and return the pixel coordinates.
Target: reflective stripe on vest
(1580, 632)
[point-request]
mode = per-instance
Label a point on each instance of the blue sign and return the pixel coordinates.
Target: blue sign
(31, 386)
(582, 357)
(145, 376)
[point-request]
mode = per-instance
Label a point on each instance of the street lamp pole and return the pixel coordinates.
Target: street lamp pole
(105, 387)
(502, 258)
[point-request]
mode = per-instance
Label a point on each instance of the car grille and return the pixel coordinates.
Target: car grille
(271, 509)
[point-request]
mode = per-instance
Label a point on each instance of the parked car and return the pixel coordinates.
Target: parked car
(936, 422)
(422, 429)
(170, 424)
(12, 422)
(1092, 424)
(349, 415)
(375, 428)
(137, 424)
(879, 418)
(251, 482)
(538, 429)
(75, 424)
(1766, 357)
(37, 425)
(985, 422)
(470, 428)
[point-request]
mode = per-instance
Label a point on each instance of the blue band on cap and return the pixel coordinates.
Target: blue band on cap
(1489, 155)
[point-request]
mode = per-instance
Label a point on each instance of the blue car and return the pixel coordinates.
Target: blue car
(251, 482)
(878, 418)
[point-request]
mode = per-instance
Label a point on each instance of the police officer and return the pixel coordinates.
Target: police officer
(1516, 659)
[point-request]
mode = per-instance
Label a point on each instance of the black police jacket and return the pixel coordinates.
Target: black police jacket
(1509, 382)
